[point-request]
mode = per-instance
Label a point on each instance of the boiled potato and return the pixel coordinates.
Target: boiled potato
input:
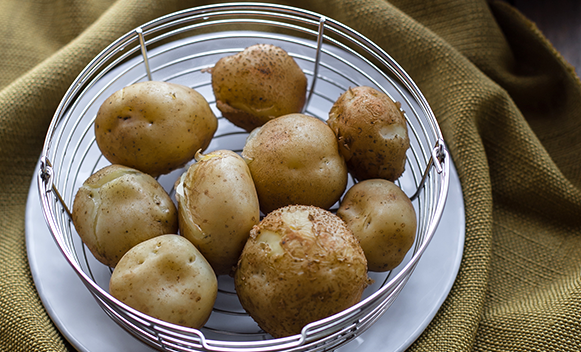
(118, 207)
(167, 278)
(217, 207)
(154, 127)
(294, 159)
(258, 84)
(383, 218)
(372, 133)
(300, 264)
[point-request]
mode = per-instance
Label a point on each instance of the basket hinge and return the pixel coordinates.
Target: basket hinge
(438, 154)
(46, 173)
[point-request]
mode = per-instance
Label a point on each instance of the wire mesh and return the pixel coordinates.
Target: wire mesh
(180, 48)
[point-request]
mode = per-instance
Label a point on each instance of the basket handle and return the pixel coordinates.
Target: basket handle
(139, 32)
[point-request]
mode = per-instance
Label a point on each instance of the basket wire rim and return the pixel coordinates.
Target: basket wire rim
(45, 176)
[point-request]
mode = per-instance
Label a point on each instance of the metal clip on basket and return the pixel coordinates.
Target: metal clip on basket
(179, 48)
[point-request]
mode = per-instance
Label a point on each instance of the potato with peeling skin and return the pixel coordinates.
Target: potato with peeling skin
(119, 207)
(155, 127)
(217, 207)
(383, 218)
(258, 84)
(300, 264)
(372, 133)
(294, 159)
(167, 278)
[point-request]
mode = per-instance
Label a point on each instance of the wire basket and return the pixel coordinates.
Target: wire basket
(179, 48)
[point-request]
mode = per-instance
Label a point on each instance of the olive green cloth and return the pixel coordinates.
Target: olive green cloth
(508, 104)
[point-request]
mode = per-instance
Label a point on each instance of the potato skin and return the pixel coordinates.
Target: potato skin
(372, 133)
(294, 159)
(167, 278)
(217, 207)
(119, 207)
(154, 126)
(258, 84)
(300, 264)
(383, 218)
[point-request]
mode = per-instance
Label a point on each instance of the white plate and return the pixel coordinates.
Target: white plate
(184, 61)
(79, 318)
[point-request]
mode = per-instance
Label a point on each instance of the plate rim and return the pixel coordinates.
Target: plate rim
(35, 225)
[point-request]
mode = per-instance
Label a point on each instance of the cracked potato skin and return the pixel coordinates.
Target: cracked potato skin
(258, 84)
(167, 278)
(153, 126)
(217, 207)
(300, 264)
(118, 207)
(372, 133)
(384, 220)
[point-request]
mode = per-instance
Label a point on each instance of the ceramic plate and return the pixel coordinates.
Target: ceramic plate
(73, 308)
(79, 318)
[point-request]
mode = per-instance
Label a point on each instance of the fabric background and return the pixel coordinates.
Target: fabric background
(508, 104)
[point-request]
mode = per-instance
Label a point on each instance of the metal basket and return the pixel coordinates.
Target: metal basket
(179, 48)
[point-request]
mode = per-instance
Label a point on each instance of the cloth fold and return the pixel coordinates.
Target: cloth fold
(508, 104)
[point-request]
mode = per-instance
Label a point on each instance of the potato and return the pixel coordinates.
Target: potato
(372, 133)
(300, 264)
(294, 159)
(217, 207)
(383, 218)
(258, 84)
(167, 278)
(154, 127)
(119, 207)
